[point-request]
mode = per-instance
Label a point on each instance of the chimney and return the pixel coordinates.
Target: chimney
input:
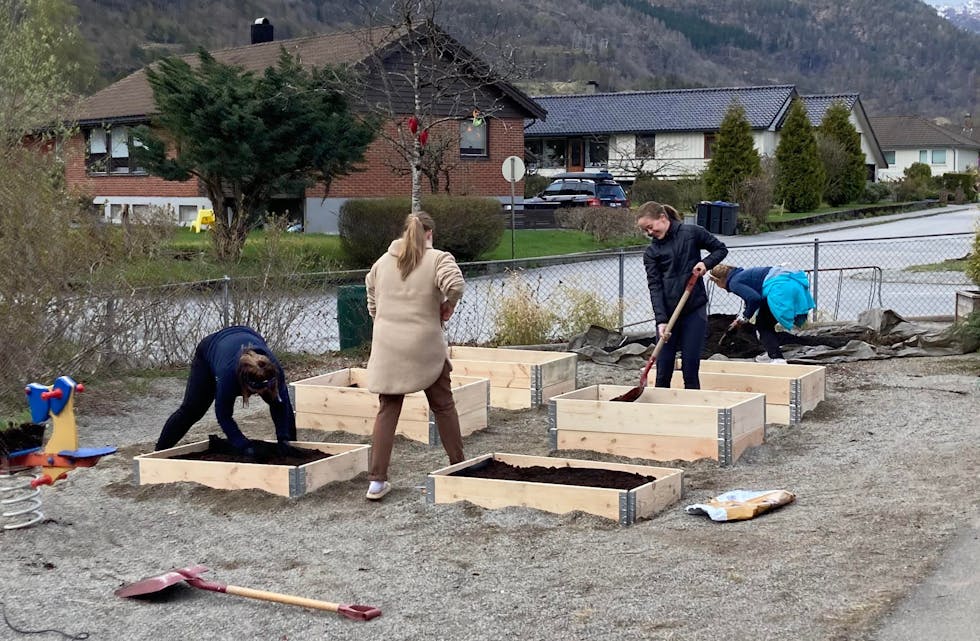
(592, 87)
(262, 31)
(968, 124)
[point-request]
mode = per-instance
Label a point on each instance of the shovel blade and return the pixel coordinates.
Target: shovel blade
(629, 396)
(150, 585)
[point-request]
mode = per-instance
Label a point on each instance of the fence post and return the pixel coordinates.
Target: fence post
(108, 351)
(622, 284)
(225, 300)
(816, 273)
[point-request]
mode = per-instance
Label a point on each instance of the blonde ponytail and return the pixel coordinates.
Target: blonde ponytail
(413, 241)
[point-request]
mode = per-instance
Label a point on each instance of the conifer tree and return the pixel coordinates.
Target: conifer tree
(844, 169)
(799, 173)
(734, 157)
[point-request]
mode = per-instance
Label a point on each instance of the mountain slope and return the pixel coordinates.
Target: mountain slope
(900, 55)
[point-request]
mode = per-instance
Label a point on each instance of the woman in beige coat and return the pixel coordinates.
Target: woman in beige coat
(412, 290)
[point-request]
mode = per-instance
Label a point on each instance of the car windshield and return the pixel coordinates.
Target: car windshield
(611, 191)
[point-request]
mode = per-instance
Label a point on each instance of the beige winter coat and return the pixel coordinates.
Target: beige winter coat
(408, 348)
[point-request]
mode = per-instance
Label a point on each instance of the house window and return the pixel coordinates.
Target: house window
(923, 155)
(108, 152)
(553, 153)
(473, 138)
(939, 156)
(890, 157)
(646, 146)
(709, 145)
(598, 153)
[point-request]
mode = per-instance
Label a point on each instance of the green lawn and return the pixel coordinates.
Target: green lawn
(949, 265)
(533, 243)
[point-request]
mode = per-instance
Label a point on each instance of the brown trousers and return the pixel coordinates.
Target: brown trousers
(440, 397)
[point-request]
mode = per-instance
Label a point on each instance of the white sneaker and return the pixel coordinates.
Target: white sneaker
(778, 361)
(377, 490)
(762, 358)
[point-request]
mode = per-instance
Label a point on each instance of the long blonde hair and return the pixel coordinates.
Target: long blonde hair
(413, 241)
(653, 209)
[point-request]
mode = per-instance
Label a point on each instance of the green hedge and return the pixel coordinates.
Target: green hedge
(965, 182)
(466, 227)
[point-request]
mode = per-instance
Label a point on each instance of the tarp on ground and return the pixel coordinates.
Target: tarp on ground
(878, 333)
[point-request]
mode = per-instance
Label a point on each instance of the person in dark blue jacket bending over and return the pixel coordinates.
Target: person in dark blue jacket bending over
(673, 255)
(232, 362)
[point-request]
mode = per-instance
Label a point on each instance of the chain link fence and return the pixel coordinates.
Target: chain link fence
(160, 326)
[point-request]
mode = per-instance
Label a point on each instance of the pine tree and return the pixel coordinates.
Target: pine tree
(734, 157)
(845, 170)
(799, 173)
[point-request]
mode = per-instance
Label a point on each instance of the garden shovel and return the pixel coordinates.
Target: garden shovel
(192, 576)
(635, 393)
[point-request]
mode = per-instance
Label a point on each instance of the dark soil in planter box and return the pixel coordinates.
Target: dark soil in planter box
(26, 436)
(580, 476)
(219, 449)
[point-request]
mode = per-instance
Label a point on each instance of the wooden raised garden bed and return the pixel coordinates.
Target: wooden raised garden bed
(661, 425)
(519, 378)
(345, 461)
(341, 401)
(640, 497)
(791, 390)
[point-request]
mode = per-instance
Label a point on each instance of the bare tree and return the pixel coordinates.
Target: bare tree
(646, 160)
(424, 85)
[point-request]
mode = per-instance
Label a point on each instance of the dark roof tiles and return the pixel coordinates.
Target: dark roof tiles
(655, 111)
(902, 132)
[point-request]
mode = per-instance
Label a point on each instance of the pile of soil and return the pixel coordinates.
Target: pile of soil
(220, 449)
(579, 476)
(26, 436)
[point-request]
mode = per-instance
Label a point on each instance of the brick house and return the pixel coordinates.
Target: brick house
(99, 163)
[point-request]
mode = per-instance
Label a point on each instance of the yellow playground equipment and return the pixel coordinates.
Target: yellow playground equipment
(204, 217)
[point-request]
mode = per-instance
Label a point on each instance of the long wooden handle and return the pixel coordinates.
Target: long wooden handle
(670, 325)
(282, 598)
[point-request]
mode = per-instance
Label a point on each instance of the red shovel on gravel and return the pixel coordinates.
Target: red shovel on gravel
(192, 576)
(637, 391)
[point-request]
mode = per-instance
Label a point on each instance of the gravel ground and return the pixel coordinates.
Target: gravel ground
(885, 471)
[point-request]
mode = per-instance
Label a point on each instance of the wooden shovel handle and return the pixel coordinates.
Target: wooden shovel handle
(360, 612)
(688, 288)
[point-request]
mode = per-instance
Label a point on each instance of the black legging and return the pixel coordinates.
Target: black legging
(198, 397)
(765, 327)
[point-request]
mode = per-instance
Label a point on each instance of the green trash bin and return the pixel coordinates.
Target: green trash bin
(353, 320)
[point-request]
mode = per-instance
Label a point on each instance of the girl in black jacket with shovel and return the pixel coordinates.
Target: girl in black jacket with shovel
(673, 255)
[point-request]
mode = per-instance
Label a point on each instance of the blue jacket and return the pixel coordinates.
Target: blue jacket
(747, 285)
(221, 351)
(788, 296)
(669, 261)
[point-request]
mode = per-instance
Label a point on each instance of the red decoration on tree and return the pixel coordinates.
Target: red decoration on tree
(424, 137)
(413, 124)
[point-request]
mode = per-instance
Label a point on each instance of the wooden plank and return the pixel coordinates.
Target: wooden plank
(510, 399)
(645, 446)
(161, 467)
(745, 441)
(813, 389)
(778, 414)
(472, 421)
(470, 393)
(749, 415)
(777, 390)
(555, 498)
(786, 370)
(637, 418)
(511, 375)
(340, 401)
(331, 423)
(652, 498)
(346, 462)
(557, 389)
(339, 378)
(504, 355)
(559, 370)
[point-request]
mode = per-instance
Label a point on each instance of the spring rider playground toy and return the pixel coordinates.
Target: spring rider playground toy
(21, 452)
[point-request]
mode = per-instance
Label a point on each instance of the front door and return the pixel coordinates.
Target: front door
(576, 154)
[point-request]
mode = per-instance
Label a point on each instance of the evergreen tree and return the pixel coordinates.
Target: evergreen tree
(799, 173)
(844, 166)
(247, 137)
(734, 157)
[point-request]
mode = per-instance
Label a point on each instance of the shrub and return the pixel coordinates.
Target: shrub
(683, 193)
(582, 307)
(964, 185)
(842, 157)
(466, 227)
(734, 158)
(875, 192)
(973, 260)
(534, 184)
(800, 177)
(521, 317)
(754, 196)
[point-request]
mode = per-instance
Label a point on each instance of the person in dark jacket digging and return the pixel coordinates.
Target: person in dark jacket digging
(233, 362)
(673, 255)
